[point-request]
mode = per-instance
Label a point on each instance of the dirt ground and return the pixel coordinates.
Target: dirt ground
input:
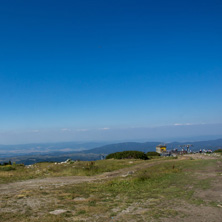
(214, 194)
(192, 213)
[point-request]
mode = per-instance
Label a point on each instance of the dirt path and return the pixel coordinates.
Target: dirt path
(55, 182)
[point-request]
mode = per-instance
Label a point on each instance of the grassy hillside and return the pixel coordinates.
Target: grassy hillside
(164, 189)
(18, 172)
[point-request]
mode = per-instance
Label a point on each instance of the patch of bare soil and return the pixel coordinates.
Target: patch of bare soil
(181, 210)
(203, 156)
(213, 195)
(194, 213)
(215, 192)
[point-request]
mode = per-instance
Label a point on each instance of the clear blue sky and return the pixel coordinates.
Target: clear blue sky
(109, 64)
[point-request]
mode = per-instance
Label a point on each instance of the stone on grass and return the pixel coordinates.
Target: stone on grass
(57, 212)
(79, 199)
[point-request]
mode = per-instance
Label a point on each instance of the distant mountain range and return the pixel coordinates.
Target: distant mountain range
(32, 153)
(151, 146)
(118, 147)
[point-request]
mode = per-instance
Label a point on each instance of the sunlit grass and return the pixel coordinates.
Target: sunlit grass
(46, 169)
(149, 194)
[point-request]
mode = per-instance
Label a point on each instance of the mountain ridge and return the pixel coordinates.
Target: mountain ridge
(151, 146)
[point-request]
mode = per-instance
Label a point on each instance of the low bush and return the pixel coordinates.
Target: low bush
(218, 151)
(152, 154)
(7, 168)
(128, 155)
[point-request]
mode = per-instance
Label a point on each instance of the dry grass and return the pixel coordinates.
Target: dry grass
(77, 168)
(151, 194)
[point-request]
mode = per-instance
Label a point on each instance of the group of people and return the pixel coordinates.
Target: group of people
(205, 151)
(188, 150)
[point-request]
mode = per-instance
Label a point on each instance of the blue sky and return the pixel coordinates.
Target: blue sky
(89, 65)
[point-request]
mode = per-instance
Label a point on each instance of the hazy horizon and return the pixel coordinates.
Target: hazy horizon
(178, 132)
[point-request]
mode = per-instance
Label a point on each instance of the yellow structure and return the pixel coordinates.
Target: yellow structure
(161, 148)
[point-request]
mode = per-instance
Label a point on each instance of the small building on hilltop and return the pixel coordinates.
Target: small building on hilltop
(161, 149)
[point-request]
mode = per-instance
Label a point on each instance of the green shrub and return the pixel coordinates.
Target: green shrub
(7, 168)
(152, 154)
(143, 175)
(128, 155)
(20, 164)
(218, 151)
